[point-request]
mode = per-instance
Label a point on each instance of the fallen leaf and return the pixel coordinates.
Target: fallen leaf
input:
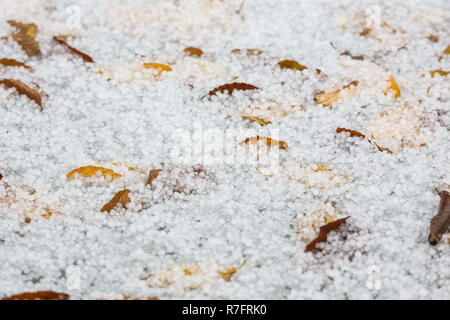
(230, 87)
(152, 176)
(323, 234)
(249, 52)
(291, 64)
(157, 66)
(347, 53)
(39, 295)
(25, 37)
(195, 52)
(328, 98)
(121, 196)
(446, 52)
(353, 133)
(255, 119)
(439, 72)
(89, 171)
(433, 38)
(77, 52)
(393, 86)
(13, 63)
(22, 88)
(269, 142)
(315, 215)
(440, 222)
(365, 32)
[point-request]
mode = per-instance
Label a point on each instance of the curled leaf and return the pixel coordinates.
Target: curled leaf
(195, 52)
(157, 66)
(89, 171)
(13, 63)
(230, 87)
(347, 53)
(439, 72)
(268, 141)
(255, 119)
(291, 64)
(77, 52)
(39, 295)
(22, 88)
(323, 234)
(440, 222)
(121, 196)
(353, 133)
(26, 36)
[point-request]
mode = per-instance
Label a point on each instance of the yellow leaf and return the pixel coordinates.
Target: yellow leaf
(393, 86)
(255, 119)
(328, 98)
(440, 72)
(90, 171)
(121, 196)
(158, 66)
(291, 64)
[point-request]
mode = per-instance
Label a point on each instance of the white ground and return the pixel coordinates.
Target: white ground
(238, 213)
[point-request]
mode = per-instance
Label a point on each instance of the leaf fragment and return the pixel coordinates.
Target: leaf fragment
(152, 176)
(445, 52)
(261, 121)
(24, 89)
(291, 64)
(77, 52)
(39, 295)
(194, 52)
(328, 98)
(157, 66)
(347, 53)
(249, 52)
(323, 234)
(440, 222)
(393, 86)
(439, 72)
(433, 38)
(89, 171)
(269, 142)
(121, 196)
(230, 87)
(26, 37)
(353, 133)
(13, 63)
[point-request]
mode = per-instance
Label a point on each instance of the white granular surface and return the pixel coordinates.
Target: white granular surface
(234, 213)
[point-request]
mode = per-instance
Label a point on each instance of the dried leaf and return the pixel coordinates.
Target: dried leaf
(249, 52)
(365, 32)
(352, 133)
(227, 273)
(77, 52)
(157, 66)
(13, 63)
(440, 222)
(328, 98)
(255, 119)
(121, 196)
(291, 64)
(347, 53)
(323, 234)
(152, 176)
(25, 37)
(440, 72)
(446, 52)
(433, 38)
(394, 86)
(39, 295)
(1, 176)
(90, 171)
(195, 52)
(269, 142)
(315, 215)
(22, 88)
(230, 87)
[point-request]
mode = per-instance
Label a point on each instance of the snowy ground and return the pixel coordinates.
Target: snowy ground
(119, 115)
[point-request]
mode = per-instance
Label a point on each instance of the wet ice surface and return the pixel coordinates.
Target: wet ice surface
(233, 212)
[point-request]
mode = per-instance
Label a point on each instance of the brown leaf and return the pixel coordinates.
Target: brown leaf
(152, 176)
(1, 176)
(352, 133)
(121, 196)
(230, 87)
(83, 56)
(433, 38)
(195, 52)
(291, 64)
(365, 32)
(269, 141)
(440, 222)
(439, 72)
(39, 295)
(22, 88)
(323, 234)
(13, 63)
(26, 36)
(347, 53)
(249, 52)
